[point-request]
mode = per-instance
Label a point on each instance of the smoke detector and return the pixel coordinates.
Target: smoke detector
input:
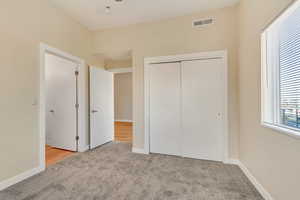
(107, 9)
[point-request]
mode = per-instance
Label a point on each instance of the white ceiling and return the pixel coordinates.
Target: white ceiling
(91, 13)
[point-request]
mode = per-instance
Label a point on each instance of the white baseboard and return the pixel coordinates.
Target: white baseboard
(139, 151)
(123, 120)
(232, 162)
(264, 193)
(25, 175)
(84, 149)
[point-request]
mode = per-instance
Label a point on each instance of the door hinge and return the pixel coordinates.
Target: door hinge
(77, 138)
(77, 106)
(76, 73)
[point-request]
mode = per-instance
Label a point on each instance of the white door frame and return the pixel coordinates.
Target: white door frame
(121, 71)
(82, 91)
(185, 57)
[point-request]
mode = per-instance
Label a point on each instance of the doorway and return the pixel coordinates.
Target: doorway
(123, 107)
(123, 104)
(110, 106)
(62, 105)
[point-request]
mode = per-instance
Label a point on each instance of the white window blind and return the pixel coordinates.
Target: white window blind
(280, 83)
(289, 70)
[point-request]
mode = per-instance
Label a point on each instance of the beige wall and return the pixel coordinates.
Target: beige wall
(23, 25)
(123, 96)
(270, 156)
(273, 158)
(175, 36)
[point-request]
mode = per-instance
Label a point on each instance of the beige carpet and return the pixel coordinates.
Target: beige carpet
(112, 172)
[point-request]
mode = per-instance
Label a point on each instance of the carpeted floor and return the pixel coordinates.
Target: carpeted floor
(112, 172)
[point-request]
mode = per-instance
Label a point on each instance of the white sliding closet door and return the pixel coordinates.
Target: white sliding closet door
(165, 122)
(202, 109)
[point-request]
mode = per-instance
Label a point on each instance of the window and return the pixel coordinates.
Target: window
(281, 72)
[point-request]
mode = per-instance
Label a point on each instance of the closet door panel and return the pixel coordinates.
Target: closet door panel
(165, 124)
(202, 109)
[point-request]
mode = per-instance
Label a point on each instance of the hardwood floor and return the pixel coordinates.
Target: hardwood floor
(54, 155)
(123, 132)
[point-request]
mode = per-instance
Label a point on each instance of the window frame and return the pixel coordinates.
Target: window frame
(270, 75)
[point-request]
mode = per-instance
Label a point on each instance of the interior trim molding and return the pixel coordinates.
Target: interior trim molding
(260, 188)
(232, 162)
(123, 120)
(121, 70)
(84, 149)
(139, 151)
(16, 179)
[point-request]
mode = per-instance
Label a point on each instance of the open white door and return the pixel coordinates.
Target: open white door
(101, 107)
(61, 112)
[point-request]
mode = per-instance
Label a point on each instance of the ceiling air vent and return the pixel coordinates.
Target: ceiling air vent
(203, 22)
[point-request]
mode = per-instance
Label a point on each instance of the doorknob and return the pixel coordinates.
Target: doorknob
(52, 111)
(94, 111)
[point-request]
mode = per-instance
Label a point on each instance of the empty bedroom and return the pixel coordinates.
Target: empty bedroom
(150, 100)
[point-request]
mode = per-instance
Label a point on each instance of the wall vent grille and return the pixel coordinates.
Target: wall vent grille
(203, 22)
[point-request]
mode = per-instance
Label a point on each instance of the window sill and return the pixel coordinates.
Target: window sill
(283, 130)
